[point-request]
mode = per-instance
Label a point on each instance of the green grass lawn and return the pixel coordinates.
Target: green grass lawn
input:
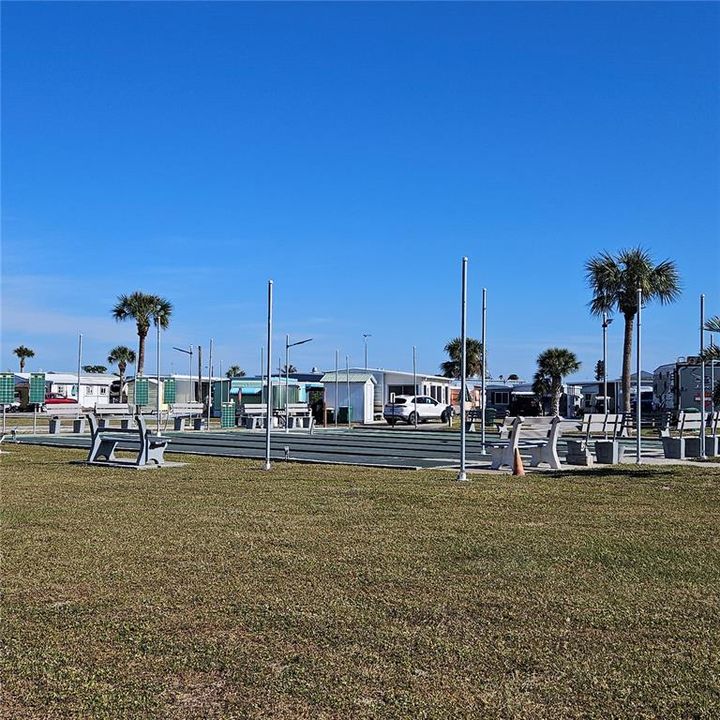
(217, 590)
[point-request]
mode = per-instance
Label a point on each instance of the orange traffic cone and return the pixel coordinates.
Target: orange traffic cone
(518, 467)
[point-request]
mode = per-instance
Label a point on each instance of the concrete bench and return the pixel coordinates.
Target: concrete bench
(180, 412)
(150, 447)
(687, 443)
(58, 413)
(539, 435)
(252, 417)
(298, 416)
(605, 429)
(114, 411)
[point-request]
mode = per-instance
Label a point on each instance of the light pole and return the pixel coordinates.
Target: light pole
(638, 391)
(415, 417)
(365, 338)
(462, 475)
(484, 365)
(268, 404)
(605, 324)
(288, 345)
(190, 353)
(702, 376)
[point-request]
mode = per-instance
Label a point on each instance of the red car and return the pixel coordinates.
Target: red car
(57, 399)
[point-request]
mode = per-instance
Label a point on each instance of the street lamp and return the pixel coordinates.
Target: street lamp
(365, 337)
(288, 345)
(605, 324)
(190, 353)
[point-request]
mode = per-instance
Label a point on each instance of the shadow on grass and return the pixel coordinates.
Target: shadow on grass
(622, 471)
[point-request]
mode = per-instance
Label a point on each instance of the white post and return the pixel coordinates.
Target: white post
(337, 388)
(463, 368)
(702, 376)
(268, 404)
(712, 378)
(415, 389)
(638, 379)
(287, 383)
(484, 360)
(191, 394)
(605, 327)
(157, 377)
(78, 367)
(347, 380)
(210, 384)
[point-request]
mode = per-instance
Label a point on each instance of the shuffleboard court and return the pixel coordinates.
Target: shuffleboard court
(371, 448)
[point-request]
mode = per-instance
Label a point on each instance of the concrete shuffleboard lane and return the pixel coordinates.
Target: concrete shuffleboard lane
(227, 445)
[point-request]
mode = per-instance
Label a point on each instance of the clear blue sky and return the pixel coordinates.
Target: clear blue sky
(353, 153)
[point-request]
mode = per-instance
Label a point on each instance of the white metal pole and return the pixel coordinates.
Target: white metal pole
(415, 389)
(484, 360)
(78, 367)
(287, 383)
(337, 388)
(605, 397)
(702, 376)
(191, 394)
(157, 376)
(268, 404)
(210, 384)
(712, 377)
(347, 380)
(638, 380)
(463, 368)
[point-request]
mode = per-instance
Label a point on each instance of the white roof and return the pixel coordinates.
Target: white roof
(67, 378)
(402, 372)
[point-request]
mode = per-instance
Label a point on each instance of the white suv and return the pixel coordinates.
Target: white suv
(427, 409)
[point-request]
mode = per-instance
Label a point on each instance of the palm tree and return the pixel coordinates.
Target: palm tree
(235, 371)
(121, 356)
(452, 368)
(23, 353)
(94, 368)
(712, 351)
(285, 370)
(554, 364)
(144, 309)
(614, 282)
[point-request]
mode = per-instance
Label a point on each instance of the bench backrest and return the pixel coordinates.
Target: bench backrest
(689, 422)
(95, 428)
(254, 409)
(191, 407)
(113, 409)
(713, 422)
(298, 408)
(64, 410)
(538, 427)
(609, 425)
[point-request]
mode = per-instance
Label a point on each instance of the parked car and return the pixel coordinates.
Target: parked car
(427, 409)
(57, 399)
(14, 406)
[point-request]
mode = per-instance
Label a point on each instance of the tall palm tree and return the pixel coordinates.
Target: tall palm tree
(553, 365)
(121, 356)
(144, 309)
(452, 368)
(23, 353)
(614, 281)
(712, 351)
(235, 371)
